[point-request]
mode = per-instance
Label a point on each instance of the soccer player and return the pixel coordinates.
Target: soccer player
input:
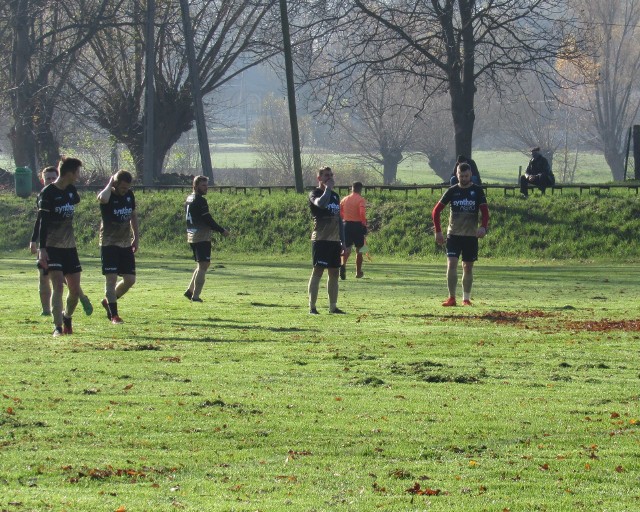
(326, 239)
(354, 215)
(47, 176)
(200, 223)
(118, 240)
(57, 253)
(467, 202)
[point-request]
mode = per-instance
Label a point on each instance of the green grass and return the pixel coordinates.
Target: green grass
(559, 226)
(526, 401)
(495, 166)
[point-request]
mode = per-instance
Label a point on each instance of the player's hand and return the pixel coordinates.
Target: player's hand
(330, 183)
(439, 238)
(42, 259)
(481, 232)
(225, 233)
(135, 246)
(33, 247)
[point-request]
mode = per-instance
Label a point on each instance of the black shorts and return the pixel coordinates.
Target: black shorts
(64, 260)
(465, 245)
(201, 251)
(354, 233)
(117, 260)
(326, 254)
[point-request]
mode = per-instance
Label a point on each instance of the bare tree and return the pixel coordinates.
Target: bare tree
(271, 136)
(377, 121)
(230, 36)
(614, 100)
(40, 40)
(453, 46)
(434, 136)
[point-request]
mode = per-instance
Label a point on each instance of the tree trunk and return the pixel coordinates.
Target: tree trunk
(615, 161)
(463, 122)
(390, 161)
(22, 137)
(47, 145)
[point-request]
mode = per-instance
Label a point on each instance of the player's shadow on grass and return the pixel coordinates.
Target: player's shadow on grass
(209, 323)
(199, 339)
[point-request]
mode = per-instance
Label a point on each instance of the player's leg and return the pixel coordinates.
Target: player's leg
(198, 279)
(314, 287)
(202, 256)
(359, 259)
(125, 284)
(358, 241)
(333, 269)
(57, 289)
(127, 268)
(454, 250)
(452, 280)
(345, 258)
(44, 289)
(332, 289)
(73, 297)
(467, 281)
(469, 256)
(111, 297)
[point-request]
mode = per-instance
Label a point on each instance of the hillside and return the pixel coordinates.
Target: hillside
(560, 226)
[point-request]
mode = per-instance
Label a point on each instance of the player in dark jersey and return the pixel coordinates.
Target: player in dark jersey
(118, 240)
(467, 202)
(200, 223)
(57, 253)
(47, 176)
(327, 240)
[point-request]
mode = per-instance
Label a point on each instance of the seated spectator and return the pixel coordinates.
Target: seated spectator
(538, 173)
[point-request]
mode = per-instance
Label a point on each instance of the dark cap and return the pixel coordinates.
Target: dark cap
(536, 149)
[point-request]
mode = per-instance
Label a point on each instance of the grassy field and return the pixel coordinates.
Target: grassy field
(495, 166)
(526, 401)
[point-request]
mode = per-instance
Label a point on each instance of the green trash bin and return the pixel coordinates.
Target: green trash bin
(23, 181)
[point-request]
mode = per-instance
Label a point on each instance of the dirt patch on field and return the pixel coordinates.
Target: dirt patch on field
(554, 321)
(604, 325)
(508, 317)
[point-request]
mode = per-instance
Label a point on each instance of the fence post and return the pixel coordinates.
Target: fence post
(636, 151)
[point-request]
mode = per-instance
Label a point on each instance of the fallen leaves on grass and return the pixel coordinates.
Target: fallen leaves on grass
(110, 472)
(604, 325)
(171, 359)
(418, 491)
(293, 454)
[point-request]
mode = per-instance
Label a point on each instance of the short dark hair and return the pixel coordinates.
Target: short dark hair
(322, 170)
(197, 180)
(68, 164)
(50, 168)
(123, 176)
(463, 167)
(357, 186)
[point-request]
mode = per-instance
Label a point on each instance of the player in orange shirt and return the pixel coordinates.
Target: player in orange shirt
(354, 216)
